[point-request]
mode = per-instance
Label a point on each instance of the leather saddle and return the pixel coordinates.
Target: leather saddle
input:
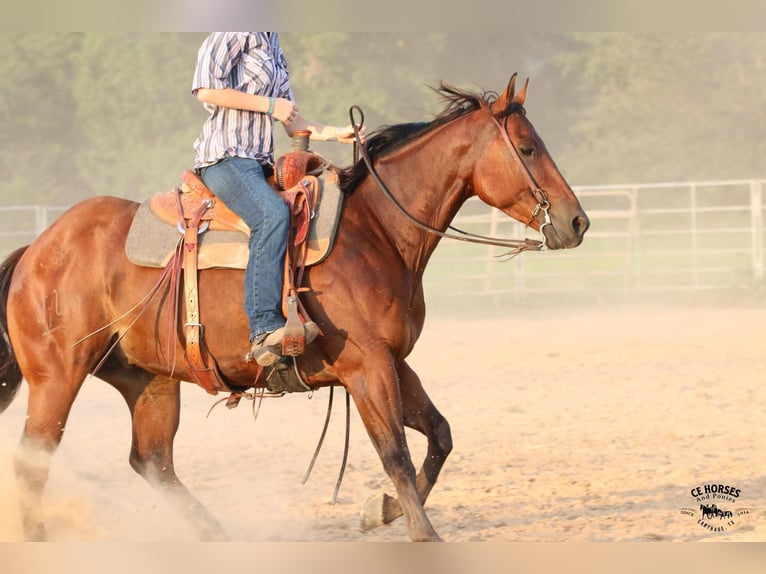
(171, 206)
(194, 211)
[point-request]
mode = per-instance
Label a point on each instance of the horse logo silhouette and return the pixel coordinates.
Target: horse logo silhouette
(712, 511)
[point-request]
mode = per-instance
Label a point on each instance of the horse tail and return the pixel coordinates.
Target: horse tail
(10, 374)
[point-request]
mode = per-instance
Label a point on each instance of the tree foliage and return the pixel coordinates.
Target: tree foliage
(90, 113)
(37, 113)
(666, 107)
(136, 111)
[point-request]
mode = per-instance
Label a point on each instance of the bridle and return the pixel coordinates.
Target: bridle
(516, 246)
(543, 205)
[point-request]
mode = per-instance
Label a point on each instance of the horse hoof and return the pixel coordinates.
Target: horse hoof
(372, 512)
(35, 533)
(213, 535)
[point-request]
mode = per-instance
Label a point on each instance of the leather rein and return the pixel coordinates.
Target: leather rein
(516, 245)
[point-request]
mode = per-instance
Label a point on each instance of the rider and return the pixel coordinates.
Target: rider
(242, 80)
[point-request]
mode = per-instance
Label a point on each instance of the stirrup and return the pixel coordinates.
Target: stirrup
(294, 340)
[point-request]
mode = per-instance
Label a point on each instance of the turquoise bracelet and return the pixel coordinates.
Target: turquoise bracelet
(271, 106)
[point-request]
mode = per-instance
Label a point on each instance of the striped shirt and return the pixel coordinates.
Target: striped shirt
(252, 62)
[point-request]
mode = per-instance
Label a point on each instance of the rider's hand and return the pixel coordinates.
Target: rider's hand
(346, 134)
(284, 110)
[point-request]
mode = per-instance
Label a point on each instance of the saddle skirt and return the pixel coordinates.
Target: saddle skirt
(223, 239)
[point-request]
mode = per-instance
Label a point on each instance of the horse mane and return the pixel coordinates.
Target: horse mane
(389, 138)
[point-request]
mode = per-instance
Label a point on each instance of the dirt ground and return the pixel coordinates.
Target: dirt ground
(567, 426)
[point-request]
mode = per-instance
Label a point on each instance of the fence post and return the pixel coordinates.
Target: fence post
(40, 222)
(633, 269)
(694, 235)
(756, 218)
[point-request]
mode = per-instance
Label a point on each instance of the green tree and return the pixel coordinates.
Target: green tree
(377, 71)
(38, 115)
(91, 113)
(666, 107)
(390, 74)
(137, 116)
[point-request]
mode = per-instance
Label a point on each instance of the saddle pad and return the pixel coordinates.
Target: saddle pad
(151, 242)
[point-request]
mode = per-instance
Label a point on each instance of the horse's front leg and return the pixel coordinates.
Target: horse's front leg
(378, 400)
(419, 414)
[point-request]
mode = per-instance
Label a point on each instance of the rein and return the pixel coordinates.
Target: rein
(516, 245)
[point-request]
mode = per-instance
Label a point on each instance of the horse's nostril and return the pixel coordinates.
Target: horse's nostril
(580, 224)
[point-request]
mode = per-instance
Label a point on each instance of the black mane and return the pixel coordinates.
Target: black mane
(387, 139)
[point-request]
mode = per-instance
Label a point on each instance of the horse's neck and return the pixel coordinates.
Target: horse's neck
(430, 179)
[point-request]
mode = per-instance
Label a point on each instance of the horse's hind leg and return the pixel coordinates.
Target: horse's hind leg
(155, 411)
(49, 404)
(419, 414)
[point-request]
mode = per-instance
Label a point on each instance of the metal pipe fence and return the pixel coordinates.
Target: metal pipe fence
(644, 239)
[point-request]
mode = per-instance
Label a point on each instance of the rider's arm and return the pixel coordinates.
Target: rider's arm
(319, 131)
(283, 110)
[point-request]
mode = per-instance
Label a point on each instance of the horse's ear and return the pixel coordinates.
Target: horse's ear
(510, 96)
(522, 95)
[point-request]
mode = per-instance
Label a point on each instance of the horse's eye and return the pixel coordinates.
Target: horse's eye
(528, 151)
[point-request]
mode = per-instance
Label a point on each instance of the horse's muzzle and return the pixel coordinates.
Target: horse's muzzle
(568, 235)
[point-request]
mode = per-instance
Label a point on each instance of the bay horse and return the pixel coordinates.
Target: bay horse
(367, 297)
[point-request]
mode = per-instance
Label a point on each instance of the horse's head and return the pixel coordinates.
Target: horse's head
(517, 175)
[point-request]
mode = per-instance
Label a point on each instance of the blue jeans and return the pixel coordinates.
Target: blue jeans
(242, 186)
